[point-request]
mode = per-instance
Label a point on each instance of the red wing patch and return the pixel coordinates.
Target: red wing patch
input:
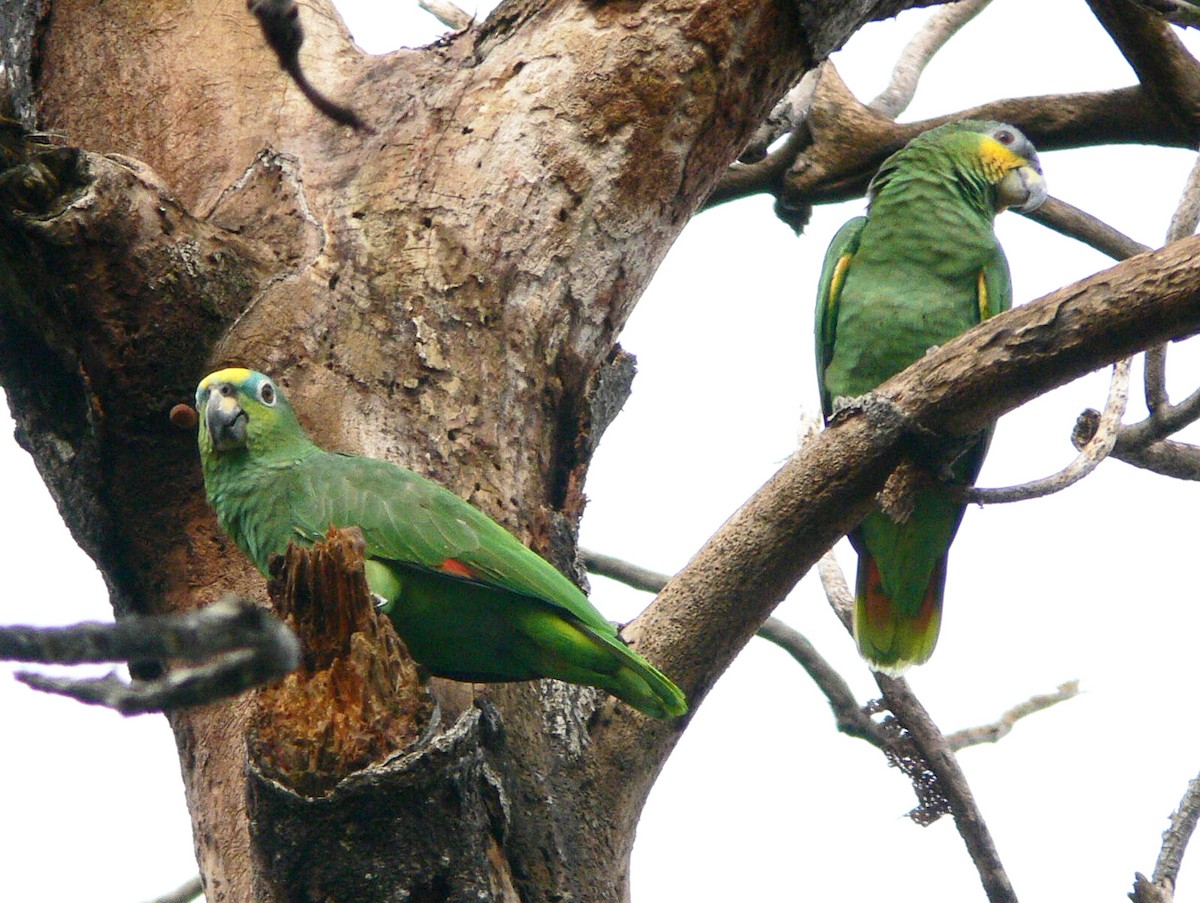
(457, 568)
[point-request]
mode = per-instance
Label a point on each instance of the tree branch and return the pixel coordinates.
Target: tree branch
(990, 733)
(1095, 450)
(951, 783)
(252, 648)
(1164, 66)
(449, 14)
(185, 893)
(709, 610)
(1072, 222)
(851, 719)
(942, 25)
(1161, 889)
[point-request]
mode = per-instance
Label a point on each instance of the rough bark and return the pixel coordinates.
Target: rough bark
(445, 292)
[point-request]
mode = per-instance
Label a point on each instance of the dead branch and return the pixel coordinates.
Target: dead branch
(449, 14)
(1161, 888)
(990, 733)
(941, 26)
(851, 719)
(1164, 66)
(1095, 450)
(250, 646)
(842, 141)
(185, 893)
(1072, 222)
(1138, 444)
(951, 783)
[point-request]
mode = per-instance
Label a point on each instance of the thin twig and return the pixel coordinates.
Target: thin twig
(940, 28)
(849, 715)
(248, 645)
(230, 623)
(851, 719)
(622, 571)
(449, 14)
(185, 893)
(990, 733)
(1089, 458)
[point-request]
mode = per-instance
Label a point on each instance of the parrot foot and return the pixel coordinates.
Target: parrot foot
(881, 412)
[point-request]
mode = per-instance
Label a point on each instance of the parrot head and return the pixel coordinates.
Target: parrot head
(992, 155)
(242, 409)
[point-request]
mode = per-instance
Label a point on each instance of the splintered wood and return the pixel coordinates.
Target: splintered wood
(357, 698)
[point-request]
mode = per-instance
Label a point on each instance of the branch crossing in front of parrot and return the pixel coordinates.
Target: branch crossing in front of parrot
(922, 267)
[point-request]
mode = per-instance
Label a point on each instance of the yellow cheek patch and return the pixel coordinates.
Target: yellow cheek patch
(997, 159)
(233, 375)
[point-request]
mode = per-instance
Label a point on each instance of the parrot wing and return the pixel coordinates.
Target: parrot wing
(833, 277)
(411, 521)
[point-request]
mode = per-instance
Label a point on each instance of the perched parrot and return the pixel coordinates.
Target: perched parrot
(470, 601)
(920, 268)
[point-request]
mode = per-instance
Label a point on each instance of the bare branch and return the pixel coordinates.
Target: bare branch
(1163, 64)
(1146, 891)
(710, 609)
(1175, 841)
(787, 116)
(620, 570)
(849, 715)
(1139, 446)
(1069, 220)
(837, 591)
(229, 675)
(251, 648)
(231, 623)
(1094, 451)
(185, 893)
(449, 14)
(1161, 889)
(940, 28)
(990, 733)
(951, 783)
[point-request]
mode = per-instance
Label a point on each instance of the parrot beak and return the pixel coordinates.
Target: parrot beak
(226, 422)
(1022, 188)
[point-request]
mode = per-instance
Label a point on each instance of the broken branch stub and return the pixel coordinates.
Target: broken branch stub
(357, 697)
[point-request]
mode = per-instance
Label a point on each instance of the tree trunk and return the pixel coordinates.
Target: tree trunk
(445, 291)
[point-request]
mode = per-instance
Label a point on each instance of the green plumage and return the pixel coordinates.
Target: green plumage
(470, 601)
(922, 267)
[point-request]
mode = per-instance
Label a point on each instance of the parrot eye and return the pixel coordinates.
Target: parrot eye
(1004, 136)
(266, 394)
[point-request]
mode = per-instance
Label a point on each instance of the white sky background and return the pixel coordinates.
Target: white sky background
(763, 800)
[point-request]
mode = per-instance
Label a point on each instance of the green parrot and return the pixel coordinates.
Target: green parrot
(920, 268)
(470, 601)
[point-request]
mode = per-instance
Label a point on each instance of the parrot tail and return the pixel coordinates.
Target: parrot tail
(889, 638)
(647, 689)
